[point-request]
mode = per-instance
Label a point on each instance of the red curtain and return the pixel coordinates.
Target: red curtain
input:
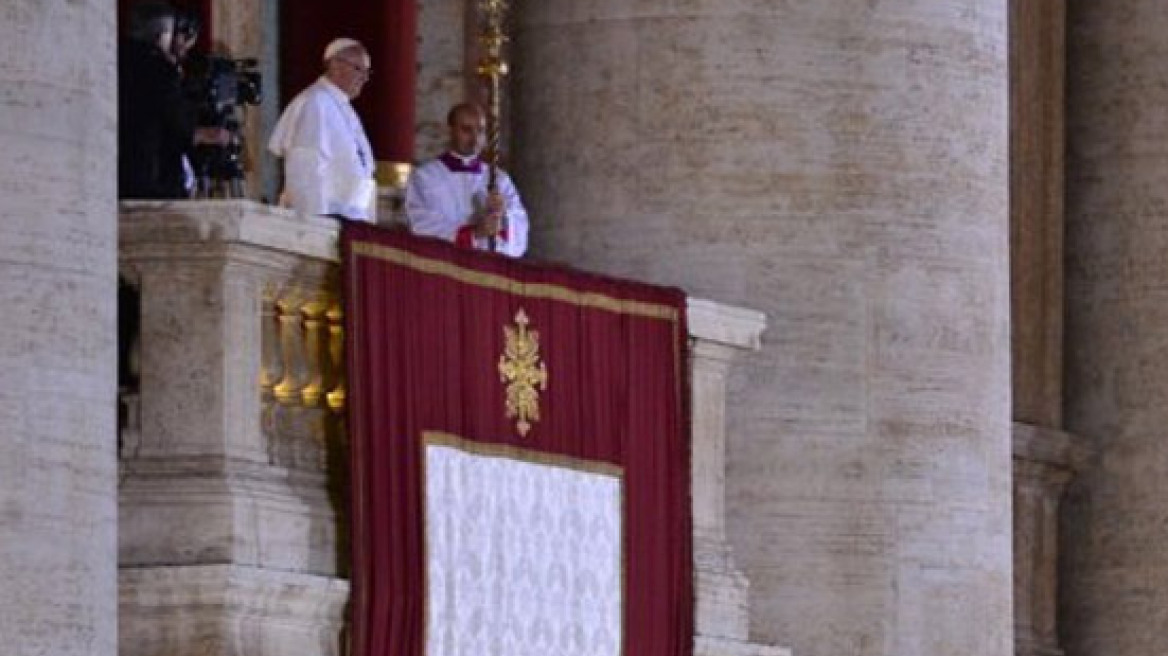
(425, 333)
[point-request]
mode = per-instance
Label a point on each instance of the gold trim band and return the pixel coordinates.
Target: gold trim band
(512, 286)
(490, 450)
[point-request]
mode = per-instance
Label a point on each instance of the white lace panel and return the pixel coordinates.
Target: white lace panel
(523, 559)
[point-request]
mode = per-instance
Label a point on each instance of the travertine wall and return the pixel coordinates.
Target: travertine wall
(1115, 570)
(57, 349)
(443, 70)
(840, 166)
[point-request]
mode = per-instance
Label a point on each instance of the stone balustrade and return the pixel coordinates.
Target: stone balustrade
(232, 466)
(233, 461)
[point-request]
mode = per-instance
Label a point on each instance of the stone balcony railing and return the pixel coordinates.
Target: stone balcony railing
(233, 460)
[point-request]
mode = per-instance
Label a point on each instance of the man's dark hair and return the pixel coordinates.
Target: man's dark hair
(148, 20)
(187, 24)
(461, 108)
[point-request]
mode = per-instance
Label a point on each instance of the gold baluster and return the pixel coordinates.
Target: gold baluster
(314, 314)
(336, 326)
(287, 391)
(271, 367)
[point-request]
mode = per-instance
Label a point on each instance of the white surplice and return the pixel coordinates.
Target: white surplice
(328, 162)
(444, 196)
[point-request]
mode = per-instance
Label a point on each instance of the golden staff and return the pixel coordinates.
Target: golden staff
(493, 67)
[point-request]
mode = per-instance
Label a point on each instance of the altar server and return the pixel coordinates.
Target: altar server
(448, 197)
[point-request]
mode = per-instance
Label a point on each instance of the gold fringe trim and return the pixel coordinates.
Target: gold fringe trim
(512, 286)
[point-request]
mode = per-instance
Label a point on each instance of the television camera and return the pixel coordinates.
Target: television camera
(221, 88)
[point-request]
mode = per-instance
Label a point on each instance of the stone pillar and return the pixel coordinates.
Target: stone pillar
(58, 97)
(1043, 461)
(718, 334)
(229, 543)
(1115, 569)
(840, 166)
(1037, 135)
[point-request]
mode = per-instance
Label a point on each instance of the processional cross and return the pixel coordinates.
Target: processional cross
(493, 68)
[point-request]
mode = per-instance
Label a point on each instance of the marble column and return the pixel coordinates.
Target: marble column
(840, 166)
(58, 225)
(1045, 456)
(1115, 569)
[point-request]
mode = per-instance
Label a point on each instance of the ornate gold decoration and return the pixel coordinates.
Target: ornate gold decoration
(302, 348)
(522, 370)
(493, 68)
(301, 376)
(394, 175)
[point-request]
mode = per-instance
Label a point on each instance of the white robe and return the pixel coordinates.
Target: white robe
(442, 203)
(328, 162)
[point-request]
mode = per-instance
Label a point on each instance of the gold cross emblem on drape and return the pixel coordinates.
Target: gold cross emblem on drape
(523, 372)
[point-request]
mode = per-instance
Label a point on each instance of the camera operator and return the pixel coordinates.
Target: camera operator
(186, 35)
(156, 122)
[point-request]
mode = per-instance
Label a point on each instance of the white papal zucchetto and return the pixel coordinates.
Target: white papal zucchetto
(338, 45)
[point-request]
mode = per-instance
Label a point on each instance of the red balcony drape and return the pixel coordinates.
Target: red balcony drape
(425, 333)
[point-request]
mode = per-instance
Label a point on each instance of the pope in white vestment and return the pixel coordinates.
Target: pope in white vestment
(328, 162)
(448, 197)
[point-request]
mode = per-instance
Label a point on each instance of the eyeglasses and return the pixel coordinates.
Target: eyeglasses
(362, 70)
